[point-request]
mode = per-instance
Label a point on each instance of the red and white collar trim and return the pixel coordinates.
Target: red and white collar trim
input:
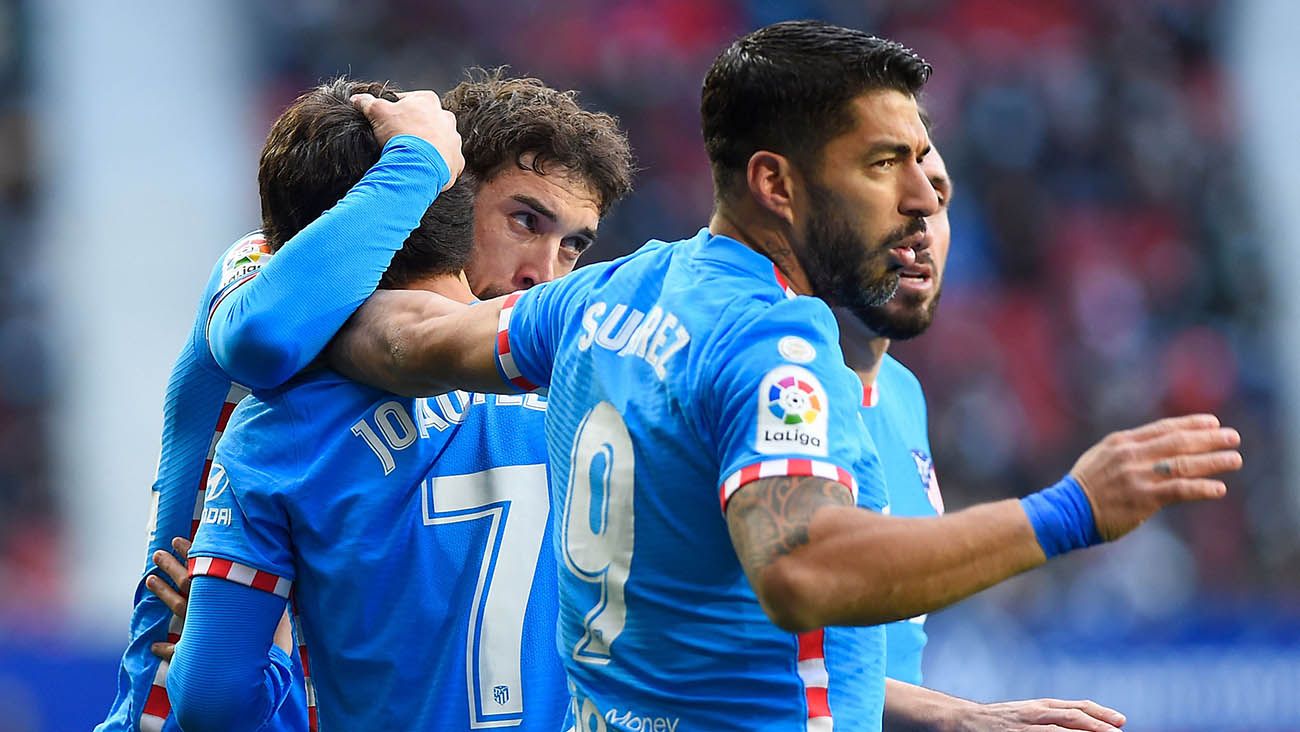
(870, 395)
(784, 283)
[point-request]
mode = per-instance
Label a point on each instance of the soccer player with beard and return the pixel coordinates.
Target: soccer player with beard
(706, 430)
(894, 410)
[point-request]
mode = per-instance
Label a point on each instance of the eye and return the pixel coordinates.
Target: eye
(526, 219)
(885, 164)
(576, 245)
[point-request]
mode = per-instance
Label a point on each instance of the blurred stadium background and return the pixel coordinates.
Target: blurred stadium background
(1126, 235)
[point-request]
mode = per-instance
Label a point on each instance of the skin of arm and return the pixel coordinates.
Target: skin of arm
(418, 343)
(910, 708)
(815, 559)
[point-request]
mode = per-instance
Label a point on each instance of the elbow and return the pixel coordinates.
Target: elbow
(251, 356)
(790, 592)
(202, 707)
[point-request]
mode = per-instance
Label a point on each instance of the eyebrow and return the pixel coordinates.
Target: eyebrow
(902, 149)
(550, 215)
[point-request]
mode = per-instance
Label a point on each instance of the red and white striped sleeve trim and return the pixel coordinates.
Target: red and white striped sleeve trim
(786, 467)
(506, 359)
(816, 680)
(241, 574)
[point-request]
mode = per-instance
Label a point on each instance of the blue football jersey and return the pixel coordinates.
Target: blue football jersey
(676, 376)
(894, 411)
(199, 400)
(411, 533)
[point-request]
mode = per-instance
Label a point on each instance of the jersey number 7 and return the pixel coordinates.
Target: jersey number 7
(513, 500)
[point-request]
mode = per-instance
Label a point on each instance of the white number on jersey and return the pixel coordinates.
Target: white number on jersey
(597, 526)
(505, 577)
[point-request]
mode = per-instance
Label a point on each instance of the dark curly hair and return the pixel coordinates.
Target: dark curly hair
(319, 147)
(786, 88)
(521, 121)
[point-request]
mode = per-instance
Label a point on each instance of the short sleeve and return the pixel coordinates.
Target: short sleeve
(243, 533)
(781, 400)
(529, 331)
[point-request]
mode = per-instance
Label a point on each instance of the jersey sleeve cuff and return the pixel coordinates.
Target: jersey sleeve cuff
(240, 574)
(792, 467)
(506, 364)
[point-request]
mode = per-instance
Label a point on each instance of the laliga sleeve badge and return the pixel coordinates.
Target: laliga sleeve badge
(796, 349)
(244, 258)
(792, 413)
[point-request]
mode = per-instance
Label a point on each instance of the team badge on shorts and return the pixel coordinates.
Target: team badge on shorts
(791, 413)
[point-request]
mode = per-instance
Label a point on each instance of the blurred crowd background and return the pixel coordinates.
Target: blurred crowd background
(1108, 267)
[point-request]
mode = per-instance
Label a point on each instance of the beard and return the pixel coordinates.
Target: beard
(840, 269)
(905, 316)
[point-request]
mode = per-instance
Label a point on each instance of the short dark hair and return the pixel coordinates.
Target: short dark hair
(319, 148)
(786, 88)
(441, 244)
(505, 121)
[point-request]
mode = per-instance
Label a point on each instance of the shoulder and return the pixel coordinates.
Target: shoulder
(237, 265)
(898, 378)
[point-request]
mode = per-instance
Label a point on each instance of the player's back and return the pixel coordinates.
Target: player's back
(412, 532)
(198, 402)
(657, 397)
(894, 412)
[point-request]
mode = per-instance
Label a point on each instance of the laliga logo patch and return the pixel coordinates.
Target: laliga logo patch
(246, 257)
(793, 401)
(791, 413)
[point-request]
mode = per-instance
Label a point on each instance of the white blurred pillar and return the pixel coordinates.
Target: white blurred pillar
(148, 159)
(1266, 55)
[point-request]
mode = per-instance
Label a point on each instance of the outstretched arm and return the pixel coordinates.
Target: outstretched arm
(910, 708)
(265, 331)
(418, 343)
(815, 559)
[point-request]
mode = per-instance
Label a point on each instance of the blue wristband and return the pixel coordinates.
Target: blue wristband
(1062, 518)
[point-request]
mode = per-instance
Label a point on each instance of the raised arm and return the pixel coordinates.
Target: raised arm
(814, 559)
(265, 331)
(418, 343)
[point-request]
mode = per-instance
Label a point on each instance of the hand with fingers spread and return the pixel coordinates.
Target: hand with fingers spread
(176, 596)
(1130, 475)
(417, 113)
(1041, 715)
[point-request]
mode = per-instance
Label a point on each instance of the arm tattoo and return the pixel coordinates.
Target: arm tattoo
(769, 518)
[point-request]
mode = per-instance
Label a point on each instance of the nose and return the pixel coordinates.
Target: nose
(537, 266)
(919, 198)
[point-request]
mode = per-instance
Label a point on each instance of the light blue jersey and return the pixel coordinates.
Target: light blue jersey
(894, 411)
(200, 398)
(678, 375)
(411, 534)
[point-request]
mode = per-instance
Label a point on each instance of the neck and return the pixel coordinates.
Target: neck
(864, 350)
(765, 234)
(451, 286)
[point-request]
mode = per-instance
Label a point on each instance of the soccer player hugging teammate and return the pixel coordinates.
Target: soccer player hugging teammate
(410, 530)
(710, 531)
(277, 330)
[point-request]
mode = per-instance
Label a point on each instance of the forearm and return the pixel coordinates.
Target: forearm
(225, 674)
(418, 343)
(874, 569)
(273, 326)
(816, 559)
(911, 708)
